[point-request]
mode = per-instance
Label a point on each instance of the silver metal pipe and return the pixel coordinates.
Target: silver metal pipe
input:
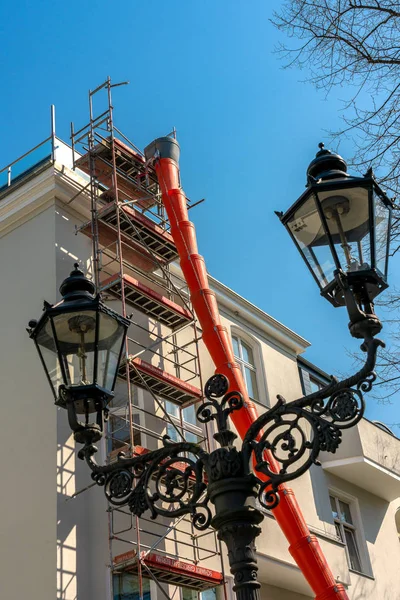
(53, 131)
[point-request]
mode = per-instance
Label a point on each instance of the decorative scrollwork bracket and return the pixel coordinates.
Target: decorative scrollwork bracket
(167, 482)
(286, 440)
(181, 478)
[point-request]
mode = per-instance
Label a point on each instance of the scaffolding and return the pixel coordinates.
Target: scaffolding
(160, 379)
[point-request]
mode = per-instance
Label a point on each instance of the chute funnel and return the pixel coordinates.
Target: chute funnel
(163, 147)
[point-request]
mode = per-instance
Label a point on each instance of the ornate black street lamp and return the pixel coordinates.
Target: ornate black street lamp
(80, 341)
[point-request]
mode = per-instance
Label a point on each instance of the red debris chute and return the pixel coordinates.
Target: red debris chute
(303, 546)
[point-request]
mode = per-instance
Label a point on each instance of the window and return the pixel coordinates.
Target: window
(118, 423)
(188, 594)
(118, 431)
(126, 587)
(346, 531)
(315, 385)
(192, 431)
(312, 379)
(245, 358)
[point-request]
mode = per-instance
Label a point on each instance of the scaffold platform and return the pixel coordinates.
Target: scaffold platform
(135, 181)
(147, 301)
(160, 383)
(145, 245)
(141, 229)
(169, 570)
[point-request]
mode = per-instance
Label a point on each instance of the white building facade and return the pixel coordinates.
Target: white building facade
(59, 538)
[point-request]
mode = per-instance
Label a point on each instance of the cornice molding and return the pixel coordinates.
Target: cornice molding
(41, 190)
(260, 319)
(69, 184)
(27, 200)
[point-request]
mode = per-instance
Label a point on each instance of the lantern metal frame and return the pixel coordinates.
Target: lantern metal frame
(354, 289)
(79, 297)
(373, 275)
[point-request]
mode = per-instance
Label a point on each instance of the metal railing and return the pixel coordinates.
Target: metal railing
(23, 164)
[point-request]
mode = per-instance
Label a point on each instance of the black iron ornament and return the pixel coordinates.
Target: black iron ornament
(281, 445)
(294, 433)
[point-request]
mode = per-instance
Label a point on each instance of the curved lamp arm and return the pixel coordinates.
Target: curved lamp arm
(294, 433)
(363, 379)
(167, 481)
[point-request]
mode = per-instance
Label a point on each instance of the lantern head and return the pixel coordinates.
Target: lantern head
(341, 225)
(80, 342)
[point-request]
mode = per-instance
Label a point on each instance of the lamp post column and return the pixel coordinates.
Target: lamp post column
(232, 490)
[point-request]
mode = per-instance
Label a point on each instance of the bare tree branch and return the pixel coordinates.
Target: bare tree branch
(355, 45)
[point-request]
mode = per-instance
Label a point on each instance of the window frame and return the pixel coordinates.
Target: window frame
(317, 383)
(183, 425)
(310, 376)
(118, 582)
(119, 410)
(244, 364)
(343, 525)
(358, 529)
(197, 594)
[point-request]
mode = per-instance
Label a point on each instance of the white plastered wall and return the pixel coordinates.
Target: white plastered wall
(28, 424)
(82, 532)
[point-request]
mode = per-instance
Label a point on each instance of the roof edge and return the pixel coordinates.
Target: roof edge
(257, 316)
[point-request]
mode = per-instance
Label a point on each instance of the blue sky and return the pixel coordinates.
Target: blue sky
(247, 127)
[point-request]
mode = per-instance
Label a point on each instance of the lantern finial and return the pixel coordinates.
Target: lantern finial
(77, 285)
(326, 165)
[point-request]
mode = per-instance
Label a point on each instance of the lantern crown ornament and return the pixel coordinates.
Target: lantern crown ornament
(77, 286)
(340, 225)
(326, 165)
(80, 342)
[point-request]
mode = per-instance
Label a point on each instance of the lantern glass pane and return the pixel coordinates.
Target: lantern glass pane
(76, 333)
(306, 227)
(111, 338)
(381, 234)
(347, 217)
(48, 352)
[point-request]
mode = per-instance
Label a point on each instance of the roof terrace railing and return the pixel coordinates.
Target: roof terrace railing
(42, 152)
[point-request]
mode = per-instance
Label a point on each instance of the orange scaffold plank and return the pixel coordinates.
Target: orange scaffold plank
(303, 546)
